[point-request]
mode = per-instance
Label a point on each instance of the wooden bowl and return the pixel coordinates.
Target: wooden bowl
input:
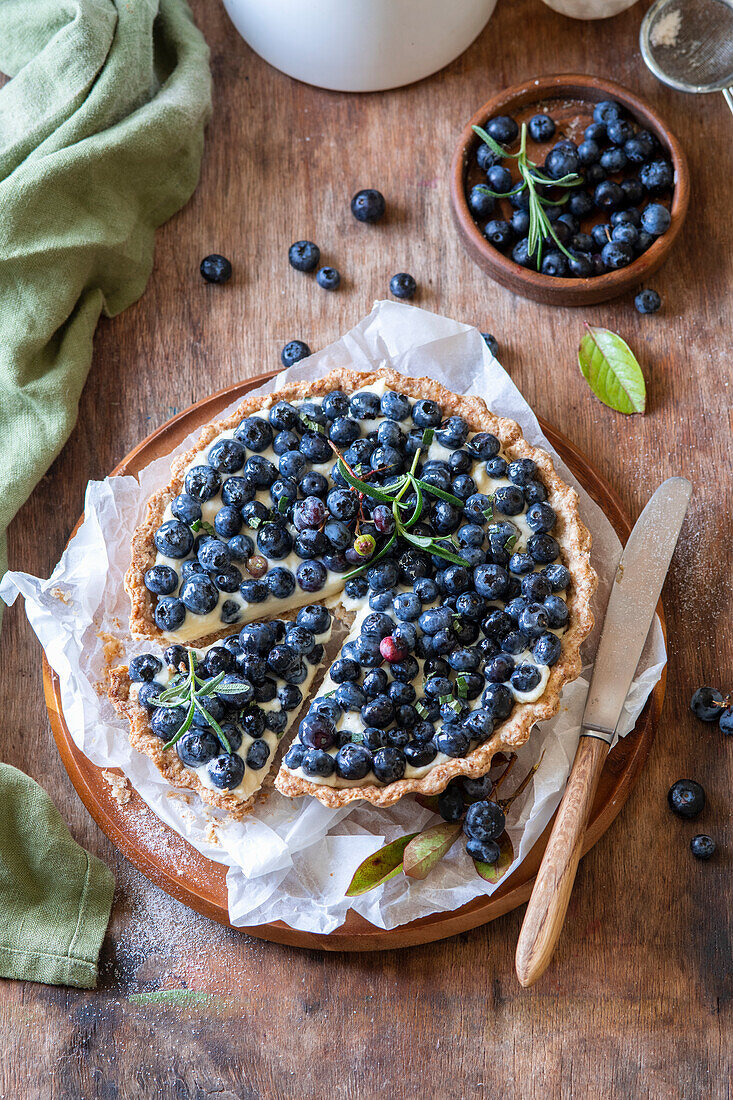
(569, 99)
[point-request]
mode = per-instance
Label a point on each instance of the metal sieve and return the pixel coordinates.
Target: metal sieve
(688, 44)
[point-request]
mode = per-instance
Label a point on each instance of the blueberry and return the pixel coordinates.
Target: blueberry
(547, 649)
(613, 159)
(186, 509)
(725, 721)
(490, 581)
(144, 668)
(522, 471)
(166, 722)
(557, 612)
(315, 447)
(169, 614)
(484, 821)
(426, 413)
(382, 576)
(595, 132)
(161, 579)
(237, 491)
(258, 754)
(368, 205)
(328, 278)
(214, 554)
(632, 191)
(216, 268)
(608, 195)
(657, 176)
(502, 129)
(480, 201)
(311, 576)
(202, 483)
(453, 741)
(345, 670)
(588, 152)
(420, 753)
(226, 771)
(378, 712)
(353, 762)
(228, 456)
(656, 219)
(647, 301)
(525, 677)
(402, 285)
(407, 607)
(317, 731)
(594, 175)
(228, 522)
(435, 619)
(228, 580)
(519, 222)
(601, 235)
(304, 255)
(486, 157)
(702, 846)
(294, 757)
(450, 803)
(607, 110)
(541, 128)
(561, 162)
(580, 265)
(626, 233)
(581, 242)
(499, 179)
(617, 254)
(453, 432)
(389, 764)
(707, 703)
(483, 851)
(252, 720)
(686, 798)
(644, 242)
(395, 405)
(293, 352)
(499, 233)
(534, 620)
(580, 203)
(365, 405)
(173, 539)
(197, 748)
(637, 149)
(499, 668)
(497, 701)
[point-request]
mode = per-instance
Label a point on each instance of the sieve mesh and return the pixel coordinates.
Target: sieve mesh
(689, 43)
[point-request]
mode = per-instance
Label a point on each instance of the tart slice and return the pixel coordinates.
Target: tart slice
(211, 719)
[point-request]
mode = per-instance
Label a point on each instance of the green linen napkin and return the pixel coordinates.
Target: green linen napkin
(101, 136)
(55, 898)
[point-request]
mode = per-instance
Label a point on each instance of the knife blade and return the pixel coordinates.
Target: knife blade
(631, 606)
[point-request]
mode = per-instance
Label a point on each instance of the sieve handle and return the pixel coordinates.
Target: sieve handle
(728, 93)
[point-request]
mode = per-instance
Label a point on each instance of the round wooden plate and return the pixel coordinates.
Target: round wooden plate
(171, 863)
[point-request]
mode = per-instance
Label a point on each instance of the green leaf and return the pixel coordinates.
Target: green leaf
(202, 525)
(427, 488)
(493, 145)
(356, 483)
(493, 872)
(379, 867)
(428, 848)
(611, 370)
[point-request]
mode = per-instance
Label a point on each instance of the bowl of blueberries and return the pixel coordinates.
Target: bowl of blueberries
(568, 189)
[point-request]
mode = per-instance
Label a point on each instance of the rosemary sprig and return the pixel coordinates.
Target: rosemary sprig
(540, 226)
(188, 691)
(393, 495)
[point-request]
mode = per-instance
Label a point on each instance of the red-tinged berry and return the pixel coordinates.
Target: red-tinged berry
(364, 545)
(256, 566)
(391, 651)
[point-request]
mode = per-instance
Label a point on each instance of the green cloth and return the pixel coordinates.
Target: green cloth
(101, 136)
(55, 898)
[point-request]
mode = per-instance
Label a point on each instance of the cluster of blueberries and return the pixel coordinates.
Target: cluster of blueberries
(265, 662)
(440, 637)
(686, 797)
(315, 516)
(621, 167)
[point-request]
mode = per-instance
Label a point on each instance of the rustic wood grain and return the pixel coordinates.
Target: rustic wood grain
(638, 1001)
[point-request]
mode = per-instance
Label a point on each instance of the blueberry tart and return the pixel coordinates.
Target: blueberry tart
(450, 544)
(212, 718)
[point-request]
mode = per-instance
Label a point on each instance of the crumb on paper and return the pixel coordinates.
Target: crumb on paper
(181, 796)
(666, 29)
(119, 787)
(210, 834)
(64, 597)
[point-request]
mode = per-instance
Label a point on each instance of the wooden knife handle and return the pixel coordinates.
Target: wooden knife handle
(548, 904)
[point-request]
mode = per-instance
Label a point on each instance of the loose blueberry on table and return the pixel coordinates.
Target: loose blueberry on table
(216, 268)
(542, 214)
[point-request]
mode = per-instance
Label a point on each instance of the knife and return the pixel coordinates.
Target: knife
(631, 606)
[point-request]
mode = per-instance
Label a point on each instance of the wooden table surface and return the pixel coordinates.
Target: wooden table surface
(638, 1001)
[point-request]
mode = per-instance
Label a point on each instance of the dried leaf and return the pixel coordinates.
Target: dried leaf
(379, 867)
(611, 370)
(494, 872)
(427, 801)
(428, 848)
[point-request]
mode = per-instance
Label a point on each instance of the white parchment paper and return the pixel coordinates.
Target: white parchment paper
(293, 859)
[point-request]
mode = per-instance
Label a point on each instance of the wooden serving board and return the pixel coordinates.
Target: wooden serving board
(171, 863)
